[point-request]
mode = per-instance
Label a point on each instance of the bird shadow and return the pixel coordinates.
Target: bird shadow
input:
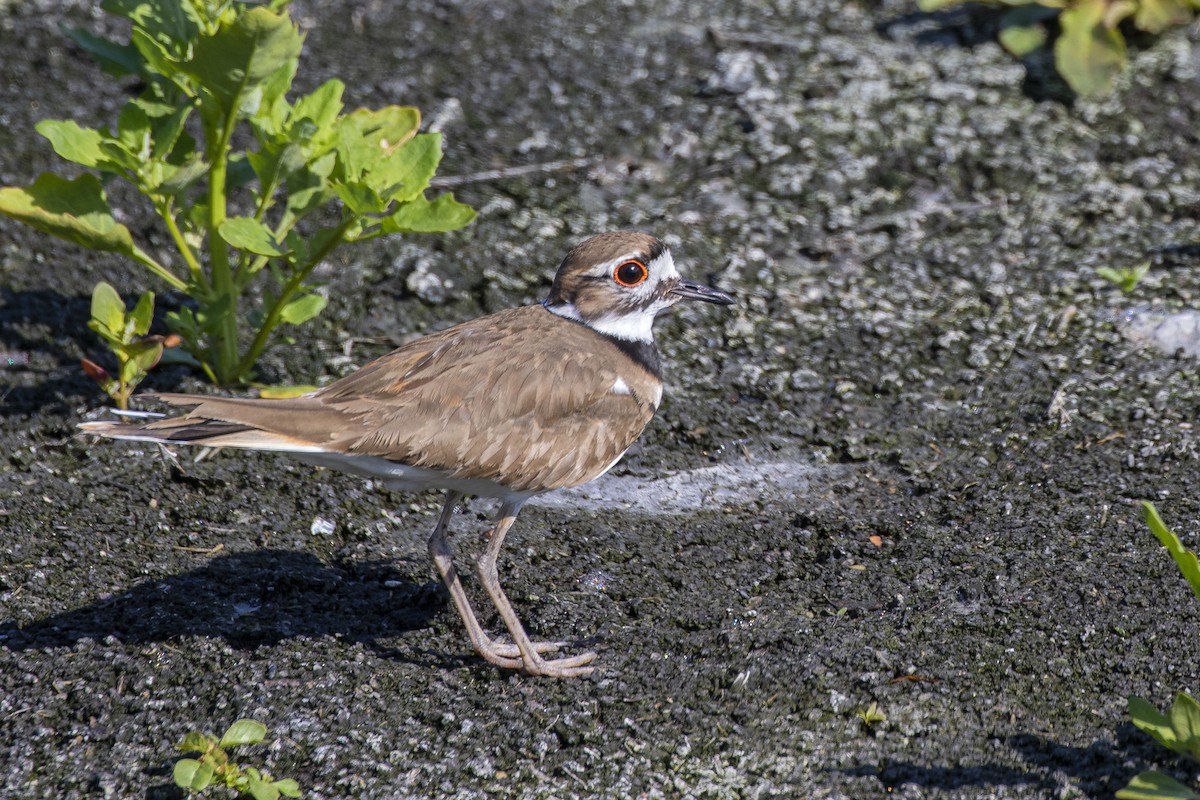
(250, 600)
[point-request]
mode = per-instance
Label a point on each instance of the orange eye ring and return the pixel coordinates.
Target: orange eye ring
(630, 273)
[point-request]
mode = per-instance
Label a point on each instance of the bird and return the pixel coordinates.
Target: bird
(508, 406)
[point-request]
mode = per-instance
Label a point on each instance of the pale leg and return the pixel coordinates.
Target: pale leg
(498, 653)
(531, 661)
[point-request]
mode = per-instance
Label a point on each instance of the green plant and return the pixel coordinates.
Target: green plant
(214, 766)
(1090, 48)
(1186, 560)
(1179, 730)
(1124, 278)
(213, 71)
(125, 334)
(871, 715)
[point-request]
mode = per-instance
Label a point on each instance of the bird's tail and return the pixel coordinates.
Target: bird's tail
(250, 424)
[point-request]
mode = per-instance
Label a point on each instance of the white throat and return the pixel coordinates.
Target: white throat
(634, 326)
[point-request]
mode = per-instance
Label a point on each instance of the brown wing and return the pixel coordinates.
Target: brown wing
(543, 417)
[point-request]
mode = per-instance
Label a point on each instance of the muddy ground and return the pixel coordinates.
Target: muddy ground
(903, 470)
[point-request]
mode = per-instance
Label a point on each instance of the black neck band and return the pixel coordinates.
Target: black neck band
(644, 353)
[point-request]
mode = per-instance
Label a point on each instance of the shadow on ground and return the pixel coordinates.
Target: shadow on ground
(250, 600)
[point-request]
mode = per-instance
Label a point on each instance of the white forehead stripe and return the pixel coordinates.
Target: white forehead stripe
(660, 268)
(663, 266)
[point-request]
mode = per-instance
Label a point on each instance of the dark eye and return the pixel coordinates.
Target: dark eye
(630, 273)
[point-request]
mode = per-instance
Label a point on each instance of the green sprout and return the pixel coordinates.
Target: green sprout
(871, 715)
(1178, 730)
(214, 767)
(243, 223)
(1124, 278)
(125, 334)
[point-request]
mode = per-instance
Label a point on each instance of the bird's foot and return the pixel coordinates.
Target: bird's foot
(569, 667)
(510, 650)
(509, 656)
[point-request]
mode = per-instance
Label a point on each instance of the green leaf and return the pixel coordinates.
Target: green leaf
(288, 787)
(272, 106)
(192, 774)
(261, 790)
(365, 137)
(274, 165)
(75, 210)
(171, 23)
(1152, 785)
(929, 6)
(1022, 30)
(1021, 40)
(1154, 722)
(113, 57)
(175, 355)
(158, 57)
(242, 55)
(244, 731)
(72, 142)
(133, 131)
(405, 173)
(1155, 16)
(108, 311)
(1185, 559)
(301, 201)
(1185, 721)
(176, 180)
(421, 216)
(144, 354)
(360, 198)
(321, 107)
(246, 233)
(167, 123)
(302, 309)
(142, 314)
(195, 741)
(1088, 53)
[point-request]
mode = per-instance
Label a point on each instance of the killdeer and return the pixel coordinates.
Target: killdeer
(508, 406)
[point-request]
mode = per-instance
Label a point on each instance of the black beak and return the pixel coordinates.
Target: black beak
(691, 290)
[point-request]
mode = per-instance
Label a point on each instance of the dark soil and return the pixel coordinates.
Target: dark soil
(903, 470)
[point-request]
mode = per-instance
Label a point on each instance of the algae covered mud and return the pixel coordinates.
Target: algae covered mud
(903, 473)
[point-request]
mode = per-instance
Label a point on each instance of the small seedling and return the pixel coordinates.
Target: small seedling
(871, 716)
(1124, 278)
(1178, 730)
(1185, 559)
(214, 766)
(125, 334)
(1089, 50)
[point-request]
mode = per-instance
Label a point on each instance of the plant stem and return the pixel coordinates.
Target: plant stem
(222, 276)
(144, 258)
(271, 320)
(167, 213)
